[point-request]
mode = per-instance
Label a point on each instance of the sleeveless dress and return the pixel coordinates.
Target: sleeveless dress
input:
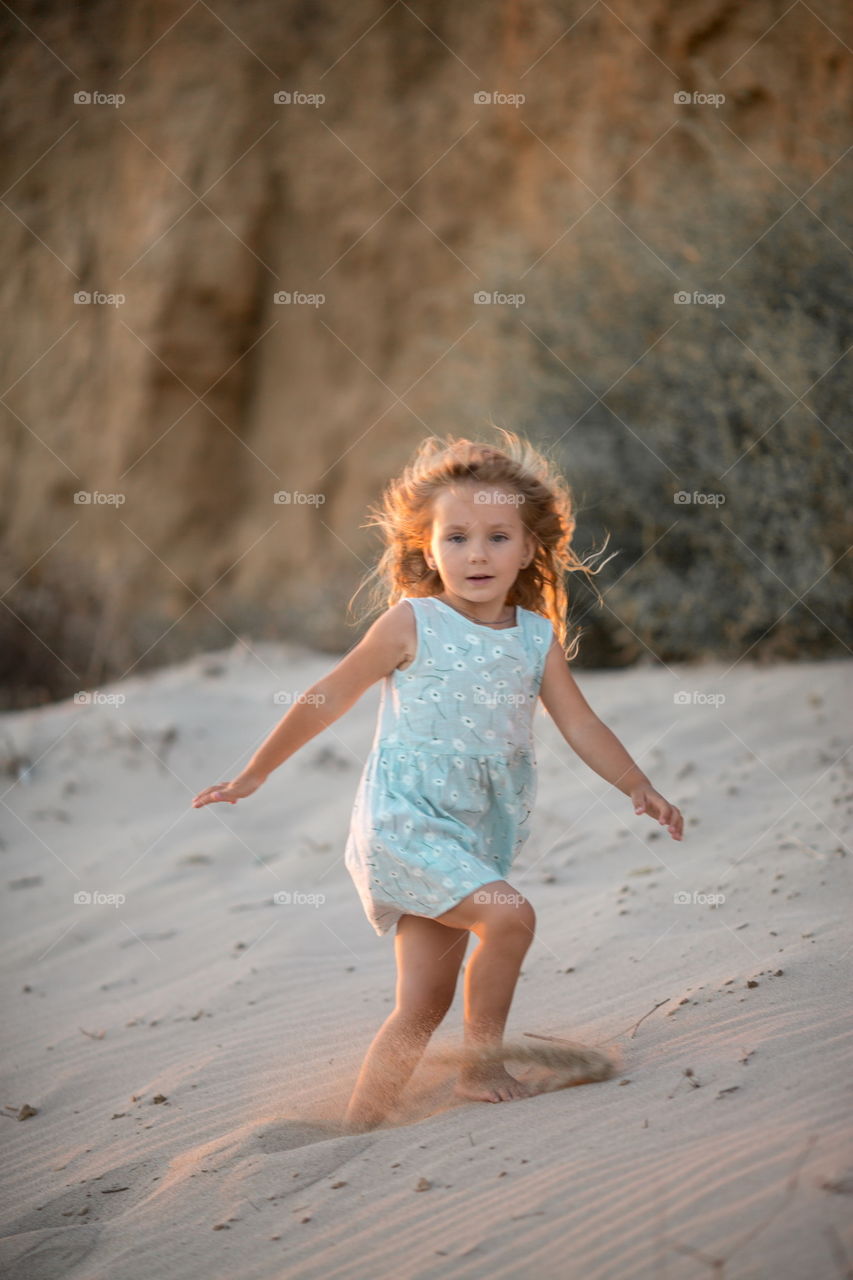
(447, 789)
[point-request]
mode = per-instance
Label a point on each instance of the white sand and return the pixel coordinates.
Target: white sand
(250, 1019)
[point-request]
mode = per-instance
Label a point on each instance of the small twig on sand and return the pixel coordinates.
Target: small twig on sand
(645, 1015)
(814, 853)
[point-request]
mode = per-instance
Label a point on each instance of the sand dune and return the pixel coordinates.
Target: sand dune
(189, 1050)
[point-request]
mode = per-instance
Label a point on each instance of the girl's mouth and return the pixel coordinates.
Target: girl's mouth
(479, 577)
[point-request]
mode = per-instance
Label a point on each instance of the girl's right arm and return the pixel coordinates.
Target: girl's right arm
(381, 649)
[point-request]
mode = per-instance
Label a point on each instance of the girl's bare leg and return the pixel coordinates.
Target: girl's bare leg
(428, 959)
(504, 921)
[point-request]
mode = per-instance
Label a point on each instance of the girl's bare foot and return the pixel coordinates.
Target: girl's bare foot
(490, 1082)
(360, 1118)
(350, 1127)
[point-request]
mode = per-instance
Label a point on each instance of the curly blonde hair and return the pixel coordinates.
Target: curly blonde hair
(405, 516)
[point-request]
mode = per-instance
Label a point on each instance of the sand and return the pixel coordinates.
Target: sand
(188, 1046)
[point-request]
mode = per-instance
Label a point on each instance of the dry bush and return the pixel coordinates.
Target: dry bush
(710, 408)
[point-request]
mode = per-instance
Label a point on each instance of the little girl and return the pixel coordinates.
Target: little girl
(477, 545)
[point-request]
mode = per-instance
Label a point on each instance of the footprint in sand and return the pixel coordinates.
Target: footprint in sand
(49, 1254)
(287, 1135)
(320, 1151)
(49, 1241)
(92, 1200)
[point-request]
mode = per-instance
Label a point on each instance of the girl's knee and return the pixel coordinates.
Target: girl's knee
(514, 917)
(525, 920)
(528, 917)
(495, 907)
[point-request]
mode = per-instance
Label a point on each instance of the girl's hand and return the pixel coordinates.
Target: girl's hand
(647, 800)
(238, 789)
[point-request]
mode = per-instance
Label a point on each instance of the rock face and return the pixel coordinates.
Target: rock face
(185, 396)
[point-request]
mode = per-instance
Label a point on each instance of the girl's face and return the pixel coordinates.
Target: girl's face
(479, 541)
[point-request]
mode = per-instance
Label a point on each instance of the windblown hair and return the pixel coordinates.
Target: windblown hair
(405, 518)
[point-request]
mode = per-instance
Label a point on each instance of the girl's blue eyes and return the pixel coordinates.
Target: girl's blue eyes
(462, 535)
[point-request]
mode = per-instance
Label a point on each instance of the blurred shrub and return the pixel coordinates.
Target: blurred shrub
(709, 406)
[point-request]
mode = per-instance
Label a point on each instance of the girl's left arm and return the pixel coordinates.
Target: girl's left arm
(597, 745)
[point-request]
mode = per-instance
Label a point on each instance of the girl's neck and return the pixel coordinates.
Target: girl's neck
(505, 617)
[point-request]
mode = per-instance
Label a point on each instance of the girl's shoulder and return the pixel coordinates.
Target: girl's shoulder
(541, 628)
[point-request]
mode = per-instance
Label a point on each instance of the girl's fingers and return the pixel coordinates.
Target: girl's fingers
(210, 794)
(653, 804)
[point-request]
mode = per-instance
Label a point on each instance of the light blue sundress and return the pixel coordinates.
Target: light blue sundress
(443, 802)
